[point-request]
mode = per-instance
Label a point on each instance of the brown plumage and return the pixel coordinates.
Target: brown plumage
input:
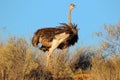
(46, 35)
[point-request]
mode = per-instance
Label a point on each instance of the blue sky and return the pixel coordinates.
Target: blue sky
(24, 17)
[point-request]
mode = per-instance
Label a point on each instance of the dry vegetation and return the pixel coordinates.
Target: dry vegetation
(20, 61)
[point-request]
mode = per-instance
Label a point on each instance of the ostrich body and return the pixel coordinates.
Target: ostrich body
(59, 37)
(45, 36)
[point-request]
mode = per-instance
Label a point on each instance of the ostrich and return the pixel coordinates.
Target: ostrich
(60, 37)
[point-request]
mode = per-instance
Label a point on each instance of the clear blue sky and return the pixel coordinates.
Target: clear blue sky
(24, 17)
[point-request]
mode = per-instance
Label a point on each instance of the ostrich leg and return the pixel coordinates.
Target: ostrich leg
(55, 43)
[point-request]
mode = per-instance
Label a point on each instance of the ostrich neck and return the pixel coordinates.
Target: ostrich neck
(69, 17)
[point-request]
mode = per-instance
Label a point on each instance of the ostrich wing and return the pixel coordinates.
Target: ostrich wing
(46, 35)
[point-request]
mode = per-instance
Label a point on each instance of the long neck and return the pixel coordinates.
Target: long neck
(69, 17)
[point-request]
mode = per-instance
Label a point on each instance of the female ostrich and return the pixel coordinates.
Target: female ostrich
(59, 37)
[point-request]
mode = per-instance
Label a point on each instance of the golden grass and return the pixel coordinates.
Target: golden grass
(18, 62)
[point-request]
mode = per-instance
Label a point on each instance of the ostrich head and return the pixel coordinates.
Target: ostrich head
(71, 7)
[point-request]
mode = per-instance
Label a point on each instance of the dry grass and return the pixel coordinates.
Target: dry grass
(18, 61)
